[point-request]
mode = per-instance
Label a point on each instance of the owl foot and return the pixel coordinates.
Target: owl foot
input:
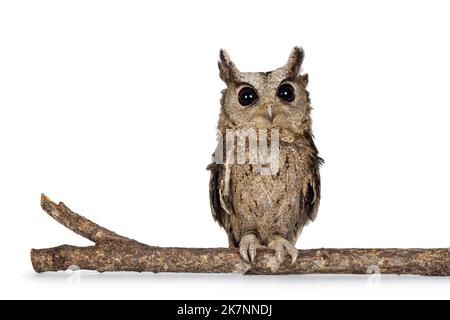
(281, 246)
(247, 247)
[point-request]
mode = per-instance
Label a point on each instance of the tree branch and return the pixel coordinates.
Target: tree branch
(113, 252)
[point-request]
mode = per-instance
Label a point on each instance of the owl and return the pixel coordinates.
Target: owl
(265, 208)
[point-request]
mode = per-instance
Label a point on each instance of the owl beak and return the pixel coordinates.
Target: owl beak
(270, 114)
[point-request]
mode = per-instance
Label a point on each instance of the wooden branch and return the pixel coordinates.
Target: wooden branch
(113, 252)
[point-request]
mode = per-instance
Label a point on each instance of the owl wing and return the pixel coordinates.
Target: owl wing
(310, 197)
(215, 183)
(221, 206)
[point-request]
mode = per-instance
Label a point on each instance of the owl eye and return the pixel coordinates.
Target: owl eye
(247, 96)
(286, 92)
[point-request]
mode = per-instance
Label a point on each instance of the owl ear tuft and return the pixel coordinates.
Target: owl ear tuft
(227, 69)
(295, 60)
(305, 79)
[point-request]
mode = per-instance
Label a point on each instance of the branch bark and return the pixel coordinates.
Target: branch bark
(113, 252)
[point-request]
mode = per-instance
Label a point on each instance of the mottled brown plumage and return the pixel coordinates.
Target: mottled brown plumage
(258, 209)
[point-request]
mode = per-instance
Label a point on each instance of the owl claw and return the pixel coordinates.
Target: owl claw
(294, 256)
(247, 247)
(252, 252)
(281, 245)
(280, 254)
(244, 255)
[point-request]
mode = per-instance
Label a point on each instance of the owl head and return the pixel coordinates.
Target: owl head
(266, 100)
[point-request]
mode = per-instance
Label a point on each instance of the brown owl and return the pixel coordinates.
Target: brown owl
(257, 207)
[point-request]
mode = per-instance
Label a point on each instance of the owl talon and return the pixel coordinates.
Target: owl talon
(252, 252)
(282, 246)
(294, 256)
(244, 255)
(247, 247)
(280, 254)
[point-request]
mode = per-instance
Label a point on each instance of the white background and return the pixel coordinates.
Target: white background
(112, 106)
